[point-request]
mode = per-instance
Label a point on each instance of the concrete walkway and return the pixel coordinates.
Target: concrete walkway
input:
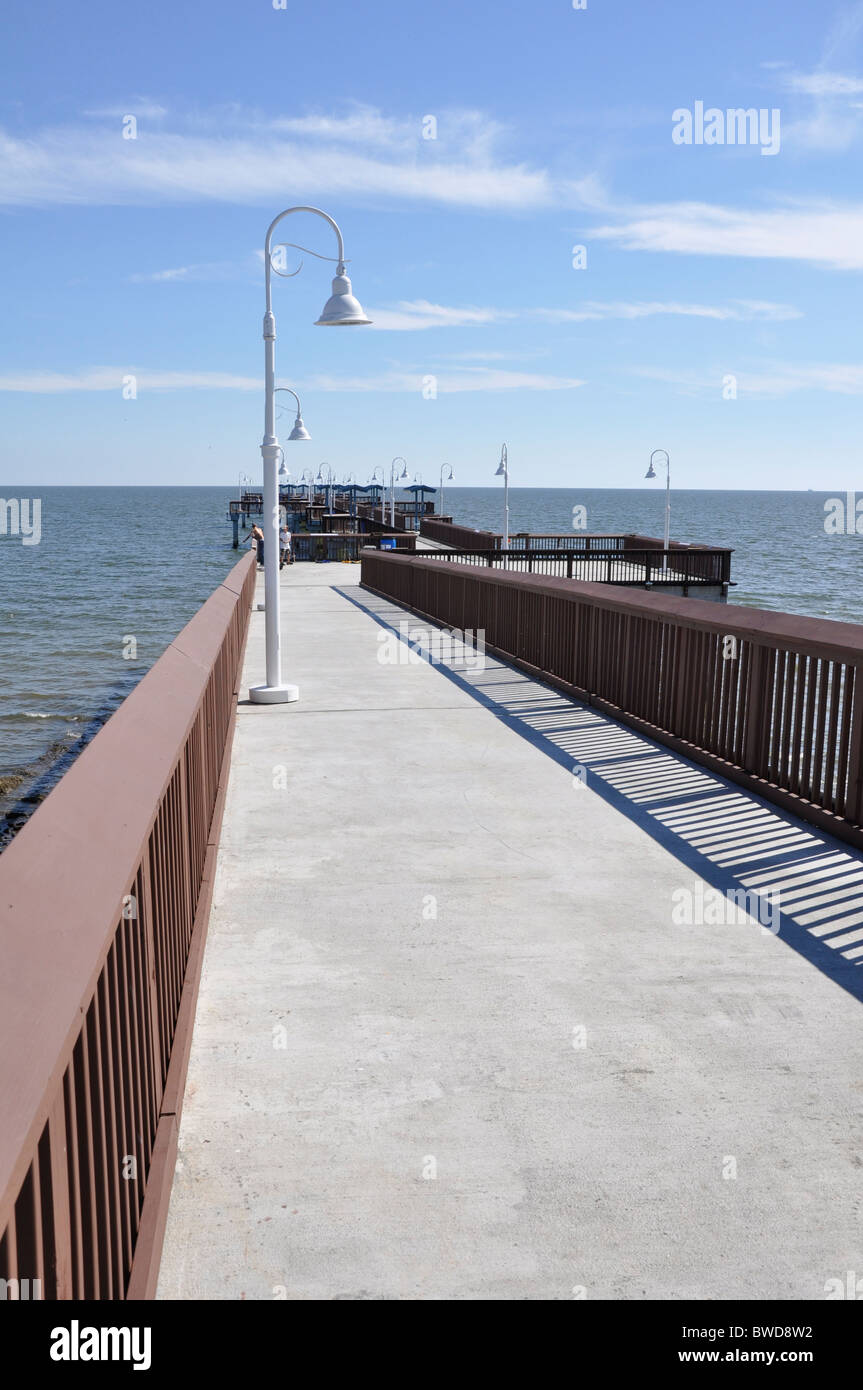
(452, 1041)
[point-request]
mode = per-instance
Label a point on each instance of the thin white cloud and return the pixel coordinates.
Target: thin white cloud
(819, 84)
(210, 270)
(832, 123)
(826, 234)
(146, 379)
(447, 382)
(410, 316)
(769, 380)
(140, 107)
(415, 315)
(740, 311)
(116, 378)
(232, 163)
(157, 277)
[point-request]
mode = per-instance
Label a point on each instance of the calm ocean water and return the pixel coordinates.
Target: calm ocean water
(120, 562)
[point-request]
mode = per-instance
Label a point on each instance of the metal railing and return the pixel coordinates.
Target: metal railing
(343, 546)
(105, 895)
(771, 700)
(463, 537)
(695, 568)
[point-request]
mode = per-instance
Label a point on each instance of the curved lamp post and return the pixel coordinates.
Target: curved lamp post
(299, 431)
(651, 473)
(326, 482)
(503, 472)
(404, 473)
(309, 477)
(449, 477)
(375, 472)
(340, 310)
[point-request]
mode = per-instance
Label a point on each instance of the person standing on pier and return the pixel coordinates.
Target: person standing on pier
(285, 556)
(257, 537)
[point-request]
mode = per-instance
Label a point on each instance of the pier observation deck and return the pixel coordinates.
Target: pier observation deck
(462, 1029)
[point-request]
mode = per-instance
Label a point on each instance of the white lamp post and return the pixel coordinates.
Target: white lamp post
(449, 476)
(383, 488)
(309, 477)
(503, 472)
(404, 473)
(327, 483)
(340, 310)
(651, 473)
(299, 432)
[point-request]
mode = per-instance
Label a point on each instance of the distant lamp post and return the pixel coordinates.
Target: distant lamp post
(326, 482)
(375, 472)
(503, 472)
(340, 310)
(449, 477)
(309, 477)
(417, 482)
(651, 473)
(404, 473)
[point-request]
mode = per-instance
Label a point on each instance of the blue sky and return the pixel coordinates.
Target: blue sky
(705, 262)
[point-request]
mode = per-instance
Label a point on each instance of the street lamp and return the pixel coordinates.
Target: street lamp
(404, 473)
(326, 482)
(299, 431)
(351, 481)
(449, 476)
(651, 473)
(503, 472)
(375, 472)
(309, 477)
(340, 310)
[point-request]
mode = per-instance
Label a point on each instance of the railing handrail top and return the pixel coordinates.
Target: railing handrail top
(59, 917)
(826, 637)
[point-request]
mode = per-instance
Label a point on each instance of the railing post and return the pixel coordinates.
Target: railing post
(854, 797)
(755, 710)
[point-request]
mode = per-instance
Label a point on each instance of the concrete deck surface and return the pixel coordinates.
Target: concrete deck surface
(450, 1042)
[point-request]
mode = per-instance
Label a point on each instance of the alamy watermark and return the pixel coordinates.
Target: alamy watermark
(701, 906)
(21, 517)
(411, 646)
(736, 126)
(844, 515)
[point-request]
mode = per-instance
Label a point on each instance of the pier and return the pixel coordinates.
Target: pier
(518, 959)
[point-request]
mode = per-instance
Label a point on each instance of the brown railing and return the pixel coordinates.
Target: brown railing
(685, 568)
(770, 700)
(105, 895)
(464, 537)
(312, 545)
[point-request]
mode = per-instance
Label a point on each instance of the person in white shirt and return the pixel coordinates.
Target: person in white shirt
(285, 556)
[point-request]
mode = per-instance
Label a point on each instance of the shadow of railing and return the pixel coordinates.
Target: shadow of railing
(730, 838)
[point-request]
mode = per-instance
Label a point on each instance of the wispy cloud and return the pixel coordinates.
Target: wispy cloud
(822, 233)
(142, 108)
(418, 314)
(832, 122)
(409, 316)
(819, 84)
(740, 311)
(91, 379)
(210, 270)
(227, 160)
(448, 382)
(773, 379)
